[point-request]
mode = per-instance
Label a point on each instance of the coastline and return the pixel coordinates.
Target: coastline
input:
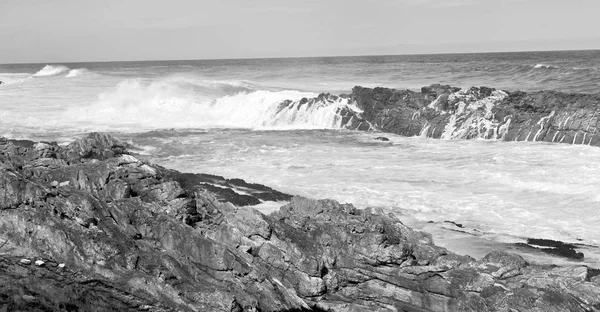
(446, 112)
(143, 237)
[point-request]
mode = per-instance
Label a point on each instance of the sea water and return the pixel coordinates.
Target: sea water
(221, 117)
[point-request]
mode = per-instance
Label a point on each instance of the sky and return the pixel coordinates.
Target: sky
(38, 31)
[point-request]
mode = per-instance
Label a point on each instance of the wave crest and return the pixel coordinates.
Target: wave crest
(135, 105)
(51, 70)
(77, 72)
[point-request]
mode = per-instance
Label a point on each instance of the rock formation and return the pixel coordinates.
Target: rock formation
(111, 232)
(452, 113)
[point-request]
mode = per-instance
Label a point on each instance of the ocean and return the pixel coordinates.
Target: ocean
(221, 117)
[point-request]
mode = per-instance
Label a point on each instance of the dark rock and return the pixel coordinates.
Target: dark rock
(440, 111)
(455, 223)
(96, 146)
(132, 236)
(23, 143)
(381, 139)
(553, 247)
(549, 243)
(592, 273)
(235, 191)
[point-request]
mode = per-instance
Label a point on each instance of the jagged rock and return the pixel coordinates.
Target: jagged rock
(236, 191)
(95, 146)
(479, 112)
(133, 236)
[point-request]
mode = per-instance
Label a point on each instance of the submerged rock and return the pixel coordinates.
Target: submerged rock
(384, 139)
(553, 247)
(136, 236)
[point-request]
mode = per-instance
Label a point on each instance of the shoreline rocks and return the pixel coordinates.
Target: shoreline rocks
(134, 236)
(445, 112)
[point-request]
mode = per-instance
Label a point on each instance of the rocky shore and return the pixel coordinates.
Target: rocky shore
(441, 111)
(91, 227)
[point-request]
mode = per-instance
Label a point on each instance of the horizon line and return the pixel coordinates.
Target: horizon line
(304, 57)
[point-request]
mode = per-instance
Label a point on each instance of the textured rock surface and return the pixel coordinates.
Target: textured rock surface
(137, 237)
(451, 113)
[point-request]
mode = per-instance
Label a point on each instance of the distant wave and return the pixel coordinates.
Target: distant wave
(51, 70)
(134, 105)
(77, 72)
(545, 66)
(55, 70)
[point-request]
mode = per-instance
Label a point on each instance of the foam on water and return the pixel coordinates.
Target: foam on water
(11, 78)
(495, 189)
(51, 70)
(135, 104)
(77, 72)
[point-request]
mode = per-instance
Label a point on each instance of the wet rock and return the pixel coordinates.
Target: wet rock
(504, 259)
(97, 146)
(384, 139)
(235, 191)
(455, 223)
(553, 247)
(137, 236)
(447, 112)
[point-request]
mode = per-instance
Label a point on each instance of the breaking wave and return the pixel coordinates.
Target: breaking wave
(77, 72)
(51, 70)
(134, 105)
(55, 70)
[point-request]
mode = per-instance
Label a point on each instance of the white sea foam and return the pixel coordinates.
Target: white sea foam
(77, 72)
(10, 78)
(175, 103)
(494, 188)
(51, 70)
(474, 117)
